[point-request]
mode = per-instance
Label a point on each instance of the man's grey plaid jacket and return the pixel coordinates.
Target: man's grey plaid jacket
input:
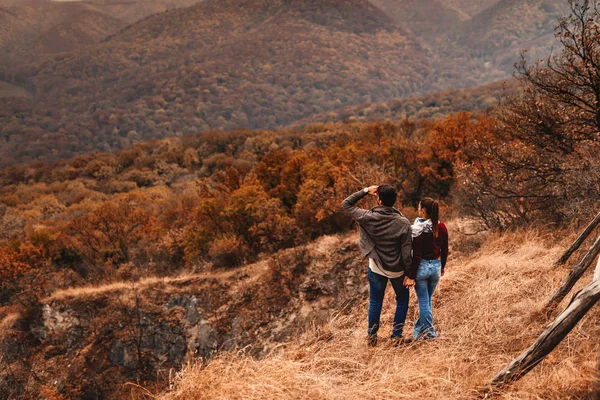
(385, 233)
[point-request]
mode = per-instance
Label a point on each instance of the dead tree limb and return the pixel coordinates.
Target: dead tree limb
(596, 394)
(579, 241)
(574, 274)
(582, 302)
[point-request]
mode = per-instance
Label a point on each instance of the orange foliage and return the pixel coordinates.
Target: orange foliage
(220, 198)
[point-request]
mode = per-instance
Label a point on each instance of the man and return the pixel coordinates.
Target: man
(386, 241)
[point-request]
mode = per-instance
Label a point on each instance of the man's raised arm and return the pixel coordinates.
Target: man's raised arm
(349, 204)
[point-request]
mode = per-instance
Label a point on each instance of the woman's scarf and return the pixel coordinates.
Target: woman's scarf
(421, 226)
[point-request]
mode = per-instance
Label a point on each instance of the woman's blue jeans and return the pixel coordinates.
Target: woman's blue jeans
(427, 280)
(377, 285)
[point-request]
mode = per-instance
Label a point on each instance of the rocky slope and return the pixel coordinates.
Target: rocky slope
(89, 342)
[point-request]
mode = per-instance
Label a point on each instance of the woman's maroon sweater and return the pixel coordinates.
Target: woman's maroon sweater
(427, 247)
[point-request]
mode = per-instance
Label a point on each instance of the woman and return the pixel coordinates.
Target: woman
(430, 252)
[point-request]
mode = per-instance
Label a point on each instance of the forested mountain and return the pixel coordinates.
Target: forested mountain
(481, 21)
(240, 63)
(218, 64)
(509, 23)
(425, 18)
(476, 42)
(33, 30)
(431, 105)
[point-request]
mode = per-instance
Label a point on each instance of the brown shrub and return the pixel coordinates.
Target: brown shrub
(227, 252)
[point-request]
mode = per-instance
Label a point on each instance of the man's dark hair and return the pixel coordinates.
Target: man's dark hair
(387, 195)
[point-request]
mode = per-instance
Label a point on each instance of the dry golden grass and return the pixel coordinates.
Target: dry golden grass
(487, 311)
(91, 291)
(98, 290)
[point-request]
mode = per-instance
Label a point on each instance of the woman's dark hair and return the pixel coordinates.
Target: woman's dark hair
(432, 208)
(387, 195)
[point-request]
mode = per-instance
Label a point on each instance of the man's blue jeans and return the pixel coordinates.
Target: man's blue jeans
(427, 280)
(377, 285)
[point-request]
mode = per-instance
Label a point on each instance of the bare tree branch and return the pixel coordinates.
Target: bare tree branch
(574, 275)
(592, 225)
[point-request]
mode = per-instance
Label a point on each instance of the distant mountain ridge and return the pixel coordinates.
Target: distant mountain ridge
(31, 33)
(30, 30)
(477, 42)
(77, 24)
(496, 26)
(347, 15)
(131, 11)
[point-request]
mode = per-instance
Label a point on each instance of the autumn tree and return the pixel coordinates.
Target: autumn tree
(23, 263)
(261, 221)
(110, 233)
(541, 162)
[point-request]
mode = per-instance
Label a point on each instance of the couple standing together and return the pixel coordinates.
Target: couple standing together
(407, 256)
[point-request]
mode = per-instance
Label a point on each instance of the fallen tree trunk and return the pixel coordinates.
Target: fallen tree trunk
(582, 302)
(596, 394)
(574, 275)
(579, 241)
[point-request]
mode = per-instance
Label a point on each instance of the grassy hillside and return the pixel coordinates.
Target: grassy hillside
(487, 308)
(92, 341)
(80, 239)
(300, 317)
(118, 268)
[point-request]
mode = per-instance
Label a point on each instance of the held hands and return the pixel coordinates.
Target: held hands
(409, 282)
(373, 190)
